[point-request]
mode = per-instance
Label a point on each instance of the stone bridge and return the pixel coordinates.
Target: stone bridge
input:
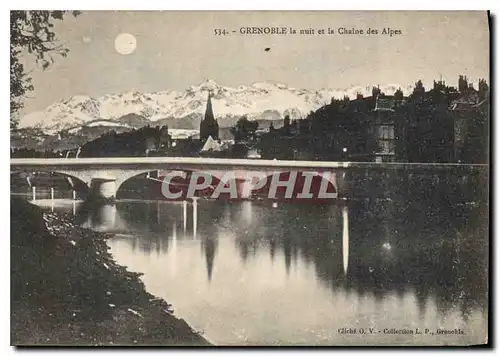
(104, 176)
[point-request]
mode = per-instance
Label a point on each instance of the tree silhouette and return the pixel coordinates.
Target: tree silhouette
(271, 127)
(462, 83)
(376, 91)
(398, 95)
(30, 31)
(483, 89)
(286, 124)
(418, 91)
(244, 129)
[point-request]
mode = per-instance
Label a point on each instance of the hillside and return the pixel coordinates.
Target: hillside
(67, 289)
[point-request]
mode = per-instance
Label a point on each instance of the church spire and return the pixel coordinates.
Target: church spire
(209, 114)
(209, 126)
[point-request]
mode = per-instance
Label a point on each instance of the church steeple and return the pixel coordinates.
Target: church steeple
(209, 113)
(209, 126)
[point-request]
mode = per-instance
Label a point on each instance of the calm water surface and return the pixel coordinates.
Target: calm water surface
(254, 273)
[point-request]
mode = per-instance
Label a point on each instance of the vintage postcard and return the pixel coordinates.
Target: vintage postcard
(264, 178)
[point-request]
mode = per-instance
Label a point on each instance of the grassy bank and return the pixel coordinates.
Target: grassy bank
(67, 290)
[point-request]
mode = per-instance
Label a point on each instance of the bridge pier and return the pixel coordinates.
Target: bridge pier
(102, 188)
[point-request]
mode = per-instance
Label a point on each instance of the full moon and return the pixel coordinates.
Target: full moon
(125, 43)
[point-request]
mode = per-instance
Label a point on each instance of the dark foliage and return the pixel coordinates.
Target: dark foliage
(141, 142)
(67, 289)
(440, 125)
(31, 32)
(244, 130)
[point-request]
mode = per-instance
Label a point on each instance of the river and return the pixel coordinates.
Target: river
(359, 272)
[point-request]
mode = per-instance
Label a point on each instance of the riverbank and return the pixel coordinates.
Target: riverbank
(66, 289)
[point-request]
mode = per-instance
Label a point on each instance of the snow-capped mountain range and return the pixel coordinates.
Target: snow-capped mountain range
(263, 100)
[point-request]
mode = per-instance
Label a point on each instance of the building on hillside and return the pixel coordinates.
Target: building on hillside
(165, 138)
(225, 134)
(428, 134)
(384, 121)
(209, 126)
(211, 146)
(471, 126)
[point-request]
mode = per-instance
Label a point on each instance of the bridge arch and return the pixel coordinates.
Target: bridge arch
(77, 183)
(125, 180)
(73, 182)
(154, 182)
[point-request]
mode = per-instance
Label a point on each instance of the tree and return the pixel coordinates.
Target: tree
(398, 95)
(462, 84)
(418, 91)
(244, 129)
(271, 127)
(31, 31)
(483, 89)
(286, 125)
(286, 122)
(376, 91)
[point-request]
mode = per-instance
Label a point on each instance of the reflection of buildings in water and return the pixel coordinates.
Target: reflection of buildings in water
(160, 216)
(345, 238)
(174, 237)
(194, 206)
(102, 218)
(315, 235)
(384, 250)
(386, 261)
(391, 258)
(246, 231)
(287, 253)
(158, 246)
(134, 245)
(462, 282)
(246, 212)
(195, 216)
(291, 231)
(145, 247)
(422, 298)
(173, 251)
(272, 248)
(184, 215)
(209, 246)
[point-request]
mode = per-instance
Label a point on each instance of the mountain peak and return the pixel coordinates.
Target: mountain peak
(208, 84)
(255, 101)
(269, 85)
(209, 81)
(77, 99)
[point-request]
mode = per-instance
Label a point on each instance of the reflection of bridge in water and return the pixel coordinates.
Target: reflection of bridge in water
(416, 247)
(107, 218)
(367, 249)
